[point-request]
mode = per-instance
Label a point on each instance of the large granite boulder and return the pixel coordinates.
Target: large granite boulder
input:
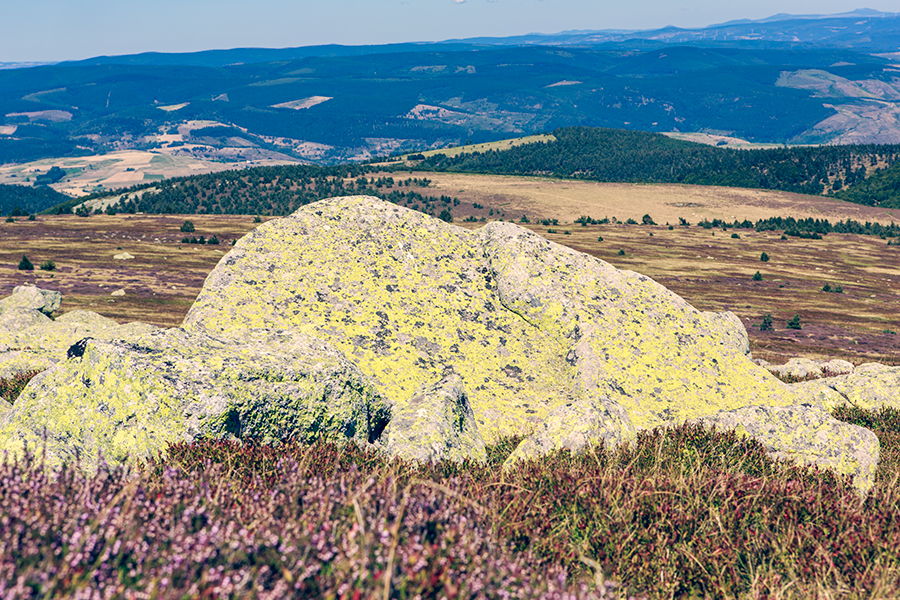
(119, 399)
(529, 326)
(360, 319)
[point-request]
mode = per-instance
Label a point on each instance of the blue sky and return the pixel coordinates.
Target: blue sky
(54, 30)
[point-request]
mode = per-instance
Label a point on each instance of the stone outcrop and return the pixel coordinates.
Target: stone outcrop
(575, 426)
(30, 297)
(436, 423)
(870, 386)
(31, 341)
(802, 368)
(123, 399)
(441, 339)
(808, 435)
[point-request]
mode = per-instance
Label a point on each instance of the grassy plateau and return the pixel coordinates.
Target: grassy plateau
(684, 512)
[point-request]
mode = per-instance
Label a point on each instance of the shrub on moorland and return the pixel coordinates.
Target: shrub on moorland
(25, 264)
(683, 512)
(11, 387)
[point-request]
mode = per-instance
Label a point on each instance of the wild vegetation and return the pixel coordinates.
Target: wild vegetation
(270, 191)
(682, 512)
(22, 200)
(617, 155)
(882, 189)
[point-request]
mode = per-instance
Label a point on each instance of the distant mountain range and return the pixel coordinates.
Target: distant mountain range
(785, 79)
(862, 29)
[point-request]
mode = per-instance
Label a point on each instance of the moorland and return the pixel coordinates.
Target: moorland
(683, 512)
(705, 244)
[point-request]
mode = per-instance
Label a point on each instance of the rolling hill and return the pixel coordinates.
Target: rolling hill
(332, 104)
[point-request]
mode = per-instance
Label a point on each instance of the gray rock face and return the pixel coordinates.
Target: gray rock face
(870, 386)
(807, 435)
(123, 399)
(32, 341)
(529, 326)
(436, 423)
(804, 367)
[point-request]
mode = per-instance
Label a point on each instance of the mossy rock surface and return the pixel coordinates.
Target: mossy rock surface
(528, 325)
(119, 400)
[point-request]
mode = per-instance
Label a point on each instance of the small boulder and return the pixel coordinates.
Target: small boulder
(436, 423)
(575, 426)
(123, 256)
(870, 386)
(31, 297)
(118, 293)
(799, 368)
(837, 367)
(808, 435)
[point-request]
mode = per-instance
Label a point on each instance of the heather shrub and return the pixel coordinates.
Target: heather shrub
(322, 527)
(681, 512)
(11, 387)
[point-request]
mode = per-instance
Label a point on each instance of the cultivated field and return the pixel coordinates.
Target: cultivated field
(88, 174)
(709, 267)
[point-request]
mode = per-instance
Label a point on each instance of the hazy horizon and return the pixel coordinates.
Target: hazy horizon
(60, 30)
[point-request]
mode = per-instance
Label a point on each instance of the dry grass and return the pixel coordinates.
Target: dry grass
(567, 200)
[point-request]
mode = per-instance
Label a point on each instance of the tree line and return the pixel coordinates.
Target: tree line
(616, 155)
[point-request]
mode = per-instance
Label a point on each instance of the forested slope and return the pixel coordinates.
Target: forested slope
(882, 189)
(25, 200)
(617, 155)
(271, 191)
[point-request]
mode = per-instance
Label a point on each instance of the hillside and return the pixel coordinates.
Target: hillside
(882, 189)
(18, 200)
(636, 157)
(336, 108)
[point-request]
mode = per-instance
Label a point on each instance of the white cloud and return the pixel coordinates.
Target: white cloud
(459, 1)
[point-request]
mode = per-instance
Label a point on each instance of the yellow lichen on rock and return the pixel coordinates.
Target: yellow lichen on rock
(527, 324)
